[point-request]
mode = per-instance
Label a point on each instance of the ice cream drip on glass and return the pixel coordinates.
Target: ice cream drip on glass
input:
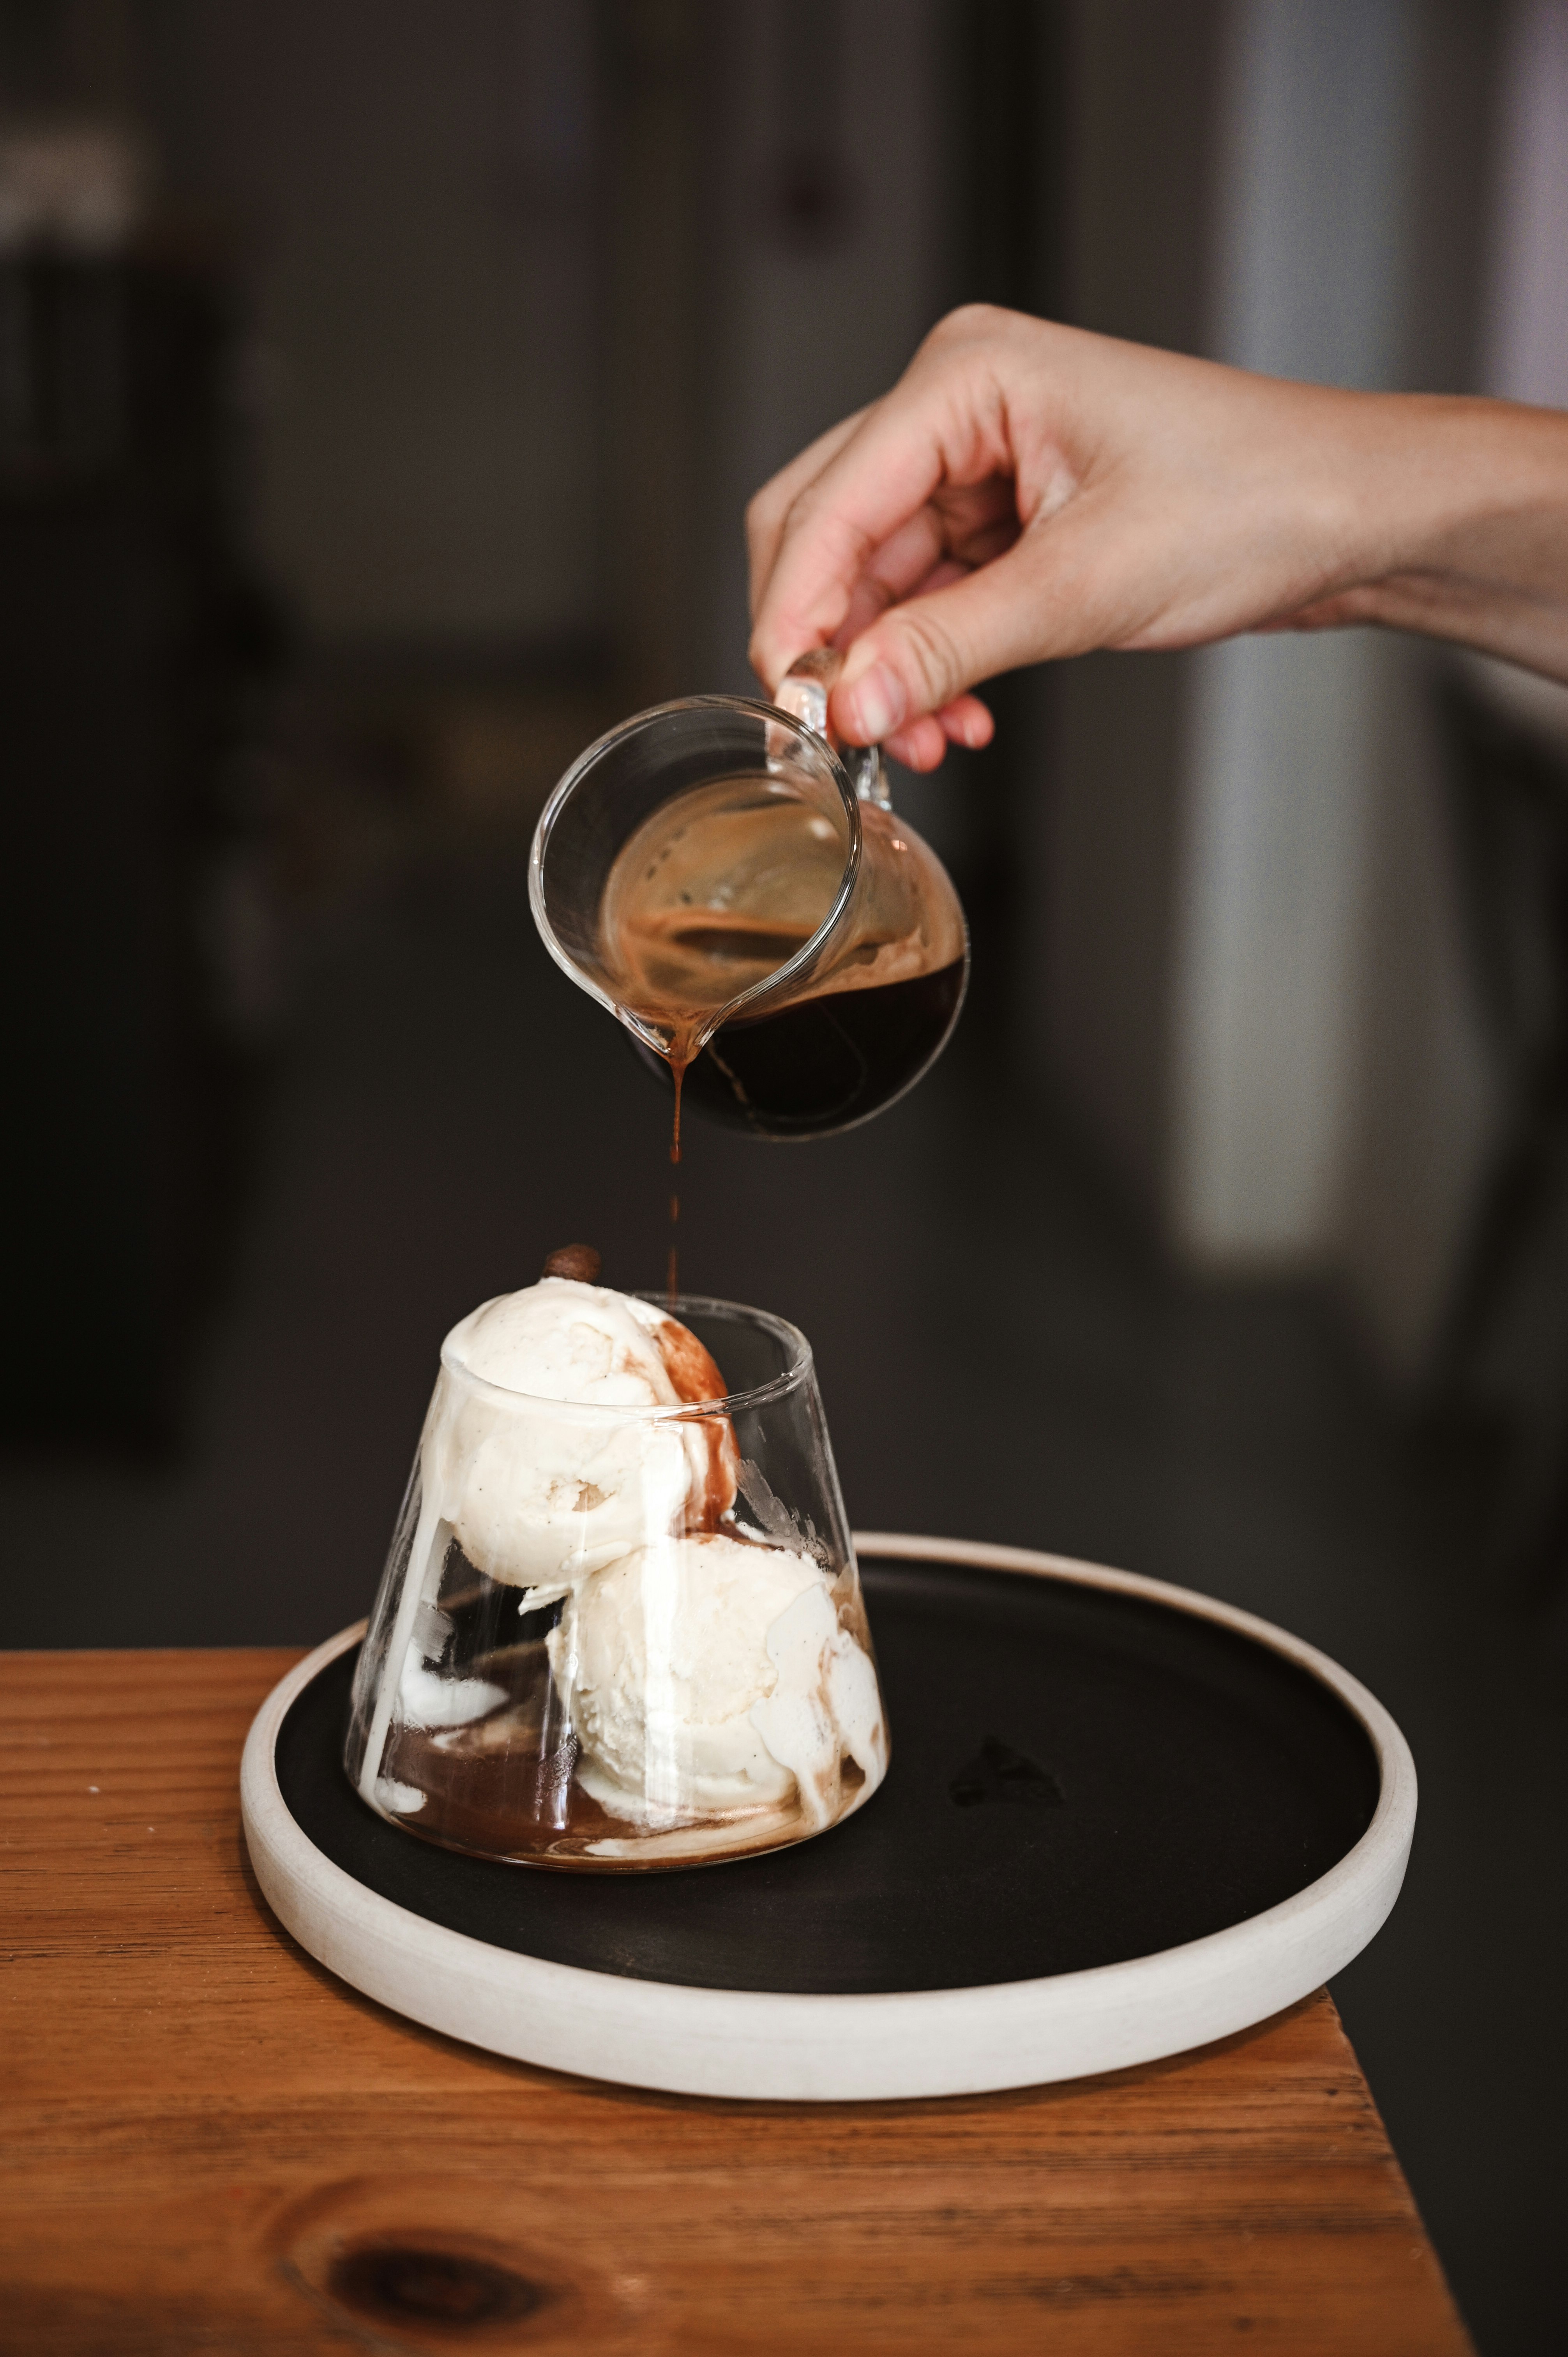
(605, 1636)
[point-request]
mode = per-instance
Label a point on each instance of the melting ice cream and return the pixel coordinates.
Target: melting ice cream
(537, 1498)
(711, 1672)
(701, 1657)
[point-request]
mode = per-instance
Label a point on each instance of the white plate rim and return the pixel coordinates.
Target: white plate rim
(766, 2045)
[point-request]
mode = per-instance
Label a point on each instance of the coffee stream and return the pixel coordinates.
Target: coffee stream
(673, 1285)
(717, 890)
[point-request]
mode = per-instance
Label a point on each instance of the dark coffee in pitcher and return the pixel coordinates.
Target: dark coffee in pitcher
(718, 890)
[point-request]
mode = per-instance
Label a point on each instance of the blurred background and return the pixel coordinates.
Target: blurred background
(380, 386)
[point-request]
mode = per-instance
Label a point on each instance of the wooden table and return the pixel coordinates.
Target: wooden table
(210, 2144)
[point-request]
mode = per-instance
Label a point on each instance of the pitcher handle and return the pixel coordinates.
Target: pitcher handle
(803, 693)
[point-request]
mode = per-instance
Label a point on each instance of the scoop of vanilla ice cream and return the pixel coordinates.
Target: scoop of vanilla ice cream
(560, 1339)
(539, 1500)
(700, 1674)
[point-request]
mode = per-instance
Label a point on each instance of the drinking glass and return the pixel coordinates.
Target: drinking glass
(612, 1638)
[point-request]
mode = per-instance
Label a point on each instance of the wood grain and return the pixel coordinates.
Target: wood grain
(211, 2145)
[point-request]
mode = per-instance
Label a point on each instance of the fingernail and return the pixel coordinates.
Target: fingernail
(876, 703)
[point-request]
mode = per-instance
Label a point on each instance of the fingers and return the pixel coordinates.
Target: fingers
(766, 515)
(920, 657)
(967, 722)
(921, 746)
(903, 563)
(924, 743)
(926, 435)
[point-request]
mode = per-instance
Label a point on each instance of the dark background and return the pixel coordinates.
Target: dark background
(380, 389)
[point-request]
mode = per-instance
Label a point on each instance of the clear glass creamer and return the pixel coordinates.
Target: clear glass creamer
(612, 1638)
(743, 897)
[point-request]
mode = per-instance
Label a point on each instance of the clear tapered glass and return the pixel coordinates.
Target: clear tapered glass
(612, 1638)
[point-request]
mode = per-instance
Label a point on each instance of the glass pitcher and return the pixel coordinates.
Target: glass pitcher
(742, 897)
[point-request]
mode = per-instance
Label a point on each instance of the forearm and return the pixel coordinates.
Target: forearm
(1464, 528)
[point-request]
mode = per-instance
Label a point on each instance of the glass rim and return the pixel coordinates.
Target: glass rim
(603, 1412)
(771, 715)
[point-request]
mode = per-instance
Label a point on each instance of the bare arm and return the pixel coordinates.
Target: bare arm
(1028, 490)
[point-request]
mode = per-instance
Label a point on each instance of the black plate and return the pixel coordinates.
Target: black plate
(1078, 1777)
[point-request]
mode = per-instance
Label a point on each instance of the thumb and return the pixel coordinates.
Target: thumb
(920, 656)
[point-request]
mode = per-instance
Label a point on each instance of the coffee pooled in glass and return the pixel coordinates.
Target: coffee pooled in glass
(620, 1625)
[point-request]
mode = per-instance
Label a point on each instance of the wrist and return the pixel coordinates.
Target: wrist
(1464, 525)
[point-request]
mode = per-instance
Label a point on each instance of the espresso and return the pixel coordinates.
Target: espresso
(823, 1063)
(720, 889)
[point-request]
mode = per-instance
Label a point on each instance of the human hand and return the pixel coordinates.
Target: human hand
(1028, 490)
